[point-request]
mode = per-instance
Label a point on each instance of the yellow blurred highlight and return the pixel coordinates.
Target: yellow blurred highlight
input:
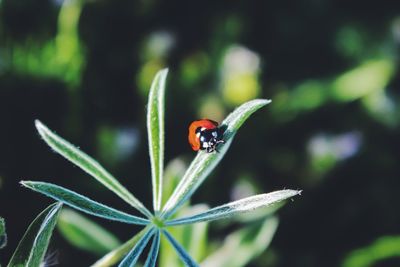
(153, 53)
(67, 40)
(363, 80)
(240, 71)
(212, 108)
(146, 74)
(240, 88)
(366, 82)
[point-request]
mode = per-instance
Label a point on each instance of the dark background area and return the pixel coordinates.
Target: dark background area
(330, 67)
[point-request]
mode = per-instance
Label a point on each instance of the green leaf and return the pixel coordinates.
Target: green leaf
(204, 162)
(155, 131)
(3, 235)
(133, 256)
(114, 256)
(381, 249)
(155, 247)
(183, 255)
(83, 203)
(85, 234)
(237, 207)
(192, 237)
(173, 173)
(89, 165)
(33, 245)
(243, 245)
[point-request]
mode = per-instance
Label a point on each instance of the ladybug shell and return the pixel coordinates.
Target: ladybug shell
(194, 140)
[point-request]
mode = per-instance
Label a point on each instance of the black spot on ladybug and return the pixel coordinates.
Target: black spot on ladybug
(209, 139)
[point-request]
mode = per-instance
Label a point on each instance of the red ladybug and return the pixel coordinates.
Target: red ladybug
(205, 135)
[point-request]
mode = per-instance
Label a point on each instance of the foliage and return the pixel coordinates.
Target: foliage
(331, 68)
(158, 223)
(33, 245)
(384, 248)
(85, 234)
(3, 235)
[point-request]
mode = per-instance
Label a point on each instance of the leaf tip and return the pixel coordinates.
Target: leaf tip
(27, 184)
(40, 127)
(162, 74)
(292, 193)
(295, 192)
(164, 71)
(23, 183)
(38, 124)
(264, 101)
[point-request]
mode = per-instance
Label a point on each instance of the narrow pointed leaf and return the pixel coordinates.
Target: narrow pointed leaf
(114, 256)
(155, 247)
(243, 245)
(3, 235)
(155, 131)
(183, 255)
(85, 234)
(237, 207)
(33, 245)
(193, 237)
(89, 165)
(133, 256)
(204, 162)
(83, 203)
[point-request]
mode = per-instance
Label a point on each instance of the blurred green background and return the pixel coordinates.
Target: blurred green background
(331, 68)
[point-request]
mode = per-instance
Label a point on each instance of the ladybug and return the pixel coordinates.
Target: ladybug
(205, 135)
